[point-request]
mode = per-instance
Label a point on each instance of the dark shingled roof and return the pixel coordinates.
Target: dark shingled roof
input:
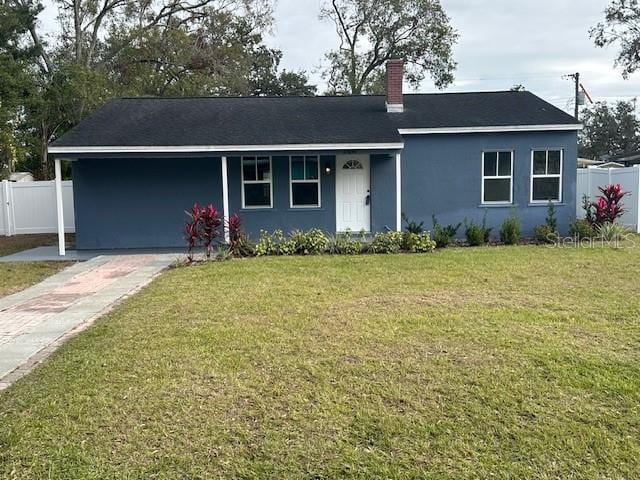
(478, 109)
(148, 121)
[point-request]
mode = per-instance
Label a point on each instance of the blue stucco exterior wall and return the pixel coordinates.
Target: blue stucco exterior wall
(441, 175)
(281, 215)
(383, 193)
(139, 203)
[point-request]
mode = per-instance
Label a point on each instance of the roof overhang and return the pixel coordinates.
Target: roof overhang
(491, 129)
(61, 150)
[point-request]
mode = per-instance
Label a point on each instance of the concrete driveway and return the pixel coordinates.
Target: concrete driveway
(35, 321)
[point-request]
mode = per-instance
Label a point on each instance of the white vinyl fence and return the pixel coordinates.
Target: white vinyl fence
(30, 207)
(589, 179)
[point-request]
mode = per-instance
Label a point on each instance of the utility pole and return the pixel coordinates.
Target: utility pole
(576, 77)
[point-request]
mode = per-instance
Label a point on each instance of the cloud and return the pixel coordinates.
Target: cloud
(502, 43)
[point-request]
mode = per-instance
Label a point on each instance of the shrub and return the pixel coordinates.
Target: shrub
(545, 234)
(608, 207)
(239, 244)
(299, 242)
(274, 244)
(477, 234)
(284, 245)
(548, 231)
(510, 231)
(346, 244)
(417, 242)
(588, 209)
(612, 232)
(550, 220)
(581, 228)
(413, 226)
(266, 245)
(474, 234)
(312, 242)
(443, 234)
(387, 242)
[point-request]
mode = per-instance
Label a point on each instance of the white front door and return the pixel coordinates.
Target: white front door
(353, 206)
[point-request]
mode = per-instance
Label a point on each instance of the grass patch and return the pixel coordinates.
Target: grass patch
(20, 275)
(18, 243)
(503, 362)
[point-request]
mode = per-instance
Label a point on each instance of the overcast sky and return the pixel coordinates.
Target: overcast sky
(502, 43)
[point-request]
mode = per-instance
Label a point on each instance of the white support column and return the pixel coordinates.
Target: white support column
(225, 198)
(6, 208)
(398, 192)
(60, 209)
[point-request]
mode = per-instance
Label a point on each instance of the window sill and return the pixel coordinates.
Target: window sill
(497, 205)
(306, 209)
(546, 204)
(256, 209)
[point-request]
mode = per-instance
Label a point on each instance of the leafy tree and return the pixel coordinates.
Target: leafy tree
(374, 31)
(266, 79)
(15, 80)
(136, 47)
(220, 55)
(621, 26)
(609, 130)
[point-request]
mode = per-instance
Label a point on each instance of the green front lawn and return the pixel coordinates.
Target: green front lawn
(20, 275)
(518, 362)
(18, 243)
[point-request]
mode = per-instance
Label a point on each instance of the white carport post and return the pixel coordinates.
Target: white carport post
(225, 199)
(398, 192)
(59, 208)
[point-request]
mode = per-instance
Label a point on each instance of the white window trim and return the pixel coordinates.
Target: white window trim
(546, 175)
(254, 182)
(292, 181)
(497, 177)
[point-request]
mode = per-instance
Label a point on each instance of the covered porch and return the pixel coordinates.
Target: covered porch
(138, 200)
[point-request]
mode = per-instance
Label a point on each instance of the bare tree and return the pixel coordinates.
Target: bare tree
(374, 31)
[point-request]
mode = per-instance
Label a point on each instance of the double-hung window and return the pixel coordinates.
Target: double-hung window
(546, 176)
(256, 182)
(497, 177)
(304, 181)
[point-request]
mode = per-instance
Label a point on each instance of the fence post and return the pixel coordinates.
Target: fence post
(6, 208)
(638, 200)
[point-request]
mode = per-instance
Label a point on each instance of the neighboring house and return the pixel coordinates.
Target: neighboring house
(587, 162)
(627, 159)
(610, 165)
(334, 163)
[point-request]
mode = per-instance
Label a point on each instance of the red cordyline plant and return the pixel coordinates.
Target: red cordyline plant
(608, 207)
(192, 229)
(202, 227)
(210, 221)
(238, 243)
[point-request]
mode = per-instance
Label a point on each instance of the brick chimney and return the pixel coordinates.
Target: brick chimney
(395, 74)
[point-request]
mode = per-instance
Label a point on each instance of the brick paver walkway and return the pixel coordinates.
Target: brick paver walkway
(36, 321)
